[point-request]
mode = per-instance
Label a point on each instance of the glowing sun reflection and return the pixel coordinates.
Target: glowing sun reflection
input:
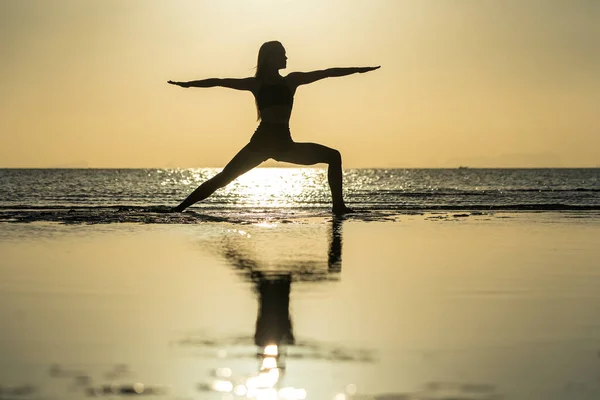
(277, 187)
(264, 385)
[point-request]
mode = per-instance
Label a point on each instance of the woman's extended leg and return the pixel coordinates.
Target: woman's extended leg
(241, 163)
(313, 153)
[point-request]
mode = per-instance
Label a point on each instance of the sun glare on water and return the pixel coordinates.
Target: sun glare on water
(262, 386)
(278, 187)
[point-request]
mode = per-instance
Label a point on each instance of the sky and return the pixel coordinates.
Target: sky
(478, 83)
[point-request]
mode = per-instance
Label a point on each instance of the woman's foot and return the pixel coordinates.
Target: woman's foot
(341, 210)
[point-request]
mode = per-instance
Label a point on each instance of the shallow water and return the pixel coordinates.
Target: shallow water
(433, 306)
(123, 194)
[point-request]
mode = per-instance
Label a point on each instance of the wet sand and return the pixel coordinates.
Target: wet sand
(432, 306)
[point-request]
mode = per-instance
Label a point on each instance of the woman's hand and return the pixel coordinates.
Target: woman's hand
(182, 84)
(362, 70)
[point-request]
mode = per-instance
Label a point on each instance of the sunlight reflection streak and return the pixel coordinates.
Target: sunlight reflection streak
(262, 386)
(277, 187)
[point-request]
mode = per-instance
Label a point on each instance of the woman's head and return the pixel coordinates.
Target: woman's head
(271, 57)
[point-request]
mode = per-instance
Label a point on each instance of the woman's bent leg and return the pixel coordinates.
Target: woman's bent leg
(241, 163)
(313, 153)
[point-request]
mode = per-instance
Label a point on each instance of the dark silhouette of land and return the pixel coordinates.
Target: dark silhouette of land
(274, 96)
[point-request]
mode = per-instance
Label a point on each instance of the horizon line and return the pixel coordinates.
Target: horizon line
(462, 167)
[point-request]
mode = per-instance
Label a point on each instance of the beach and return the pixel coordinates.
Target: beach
(421, 305)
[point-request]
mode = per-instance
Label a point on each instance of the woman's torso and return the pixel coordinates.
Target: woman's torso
(275, 99)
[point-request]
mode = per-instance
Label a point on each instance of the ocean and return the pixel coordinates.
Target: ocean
(125, 195)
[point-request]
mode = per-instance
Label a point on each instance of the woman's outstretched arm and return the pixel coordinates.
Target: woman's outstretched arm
(304, 78)
(232, 83)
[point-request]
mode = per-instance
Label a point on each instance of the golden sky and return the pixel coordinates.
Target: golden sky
(482, 83)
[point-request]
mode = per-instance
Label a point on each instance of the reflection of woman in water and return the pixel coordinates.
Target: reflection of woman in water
(274, 96)
(273, 322)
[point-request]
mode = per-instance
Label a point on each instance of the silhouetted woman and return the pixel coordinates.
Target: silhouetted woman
(274, 96)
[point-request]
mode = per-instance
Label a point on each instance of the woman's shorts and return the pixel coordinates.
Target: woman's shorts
(271, 138)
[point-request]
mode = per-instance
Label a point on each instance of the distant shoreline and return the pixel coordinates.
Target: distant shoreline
(294, 166)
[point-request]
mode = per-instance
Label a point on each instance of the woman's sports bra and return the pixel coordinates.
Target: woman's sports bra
(278, 94)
